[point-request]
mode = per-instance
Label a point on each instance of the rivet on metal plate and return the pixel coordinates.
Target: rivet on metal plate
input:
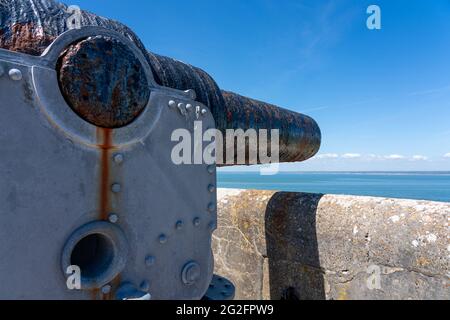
(179, 225)
(118, 158)
(15, 74)
(211, 207)
(150, 261)
(106, 289)
(163, 239)
(113, 218)
(116, 188)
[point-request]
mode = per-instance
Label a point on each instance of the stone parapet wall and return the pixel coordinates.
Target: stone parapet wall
(311, 246)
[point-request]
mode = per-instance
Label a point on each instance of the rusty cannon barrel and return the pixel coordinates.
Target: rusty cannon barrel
(91, 74)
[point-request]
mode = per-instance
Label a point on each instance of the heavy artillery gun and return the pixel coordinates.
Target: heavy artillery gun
(88, 184)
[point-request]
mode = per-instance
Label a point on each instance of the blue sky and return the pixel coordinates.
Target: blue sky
(381, 97)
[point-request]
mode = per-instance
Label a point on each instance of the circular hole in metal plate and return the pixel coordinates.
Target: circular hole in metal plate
(93, 254)
(100, 250)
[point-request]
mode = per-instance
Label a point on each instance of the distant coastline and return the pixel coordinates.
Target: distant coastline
(345, 172)
(417, 185)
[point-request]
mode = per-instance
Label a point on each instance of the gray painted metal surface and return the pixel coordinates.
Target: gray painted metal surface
(109, 199)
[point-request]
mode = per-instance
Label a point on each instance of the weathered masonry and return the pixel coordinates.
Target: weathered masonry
(312, 246)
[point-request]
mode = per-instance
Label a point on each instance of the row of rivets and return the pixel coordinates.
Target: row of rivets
(183, 107)
(113, 218)
(116, 188)
(211, 206)
(163, 238)
(179, 226)
(118, 159)
(191, 272)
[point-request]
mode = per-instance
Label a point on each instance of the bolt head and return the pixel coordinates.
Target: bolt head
(191, 94)
(150, 261)
(15, 74)
(189, 106)
(204, 111)
(211, 188)
(116, 188)
(197, 222)
(172, 104)
(211, 169)
(163, 239)
(179, 225)
(113, 218)
(191, 273)
(145, 286)
(118, 158)
(212, 226)
(106, 289)
(211, 207)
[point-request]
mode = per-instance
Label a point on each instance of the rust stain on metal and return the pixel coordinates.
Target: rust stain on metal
(114, 286)
(26, 38)
(95, 293)
(105, 144)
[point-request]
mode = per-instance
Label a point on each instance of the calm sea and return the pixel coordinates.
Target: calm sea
(433, 186)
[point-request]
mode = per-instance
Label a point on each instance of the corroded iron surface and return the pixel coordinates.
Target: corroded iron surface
(300, 135)
(103, 82)
(30, 26)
